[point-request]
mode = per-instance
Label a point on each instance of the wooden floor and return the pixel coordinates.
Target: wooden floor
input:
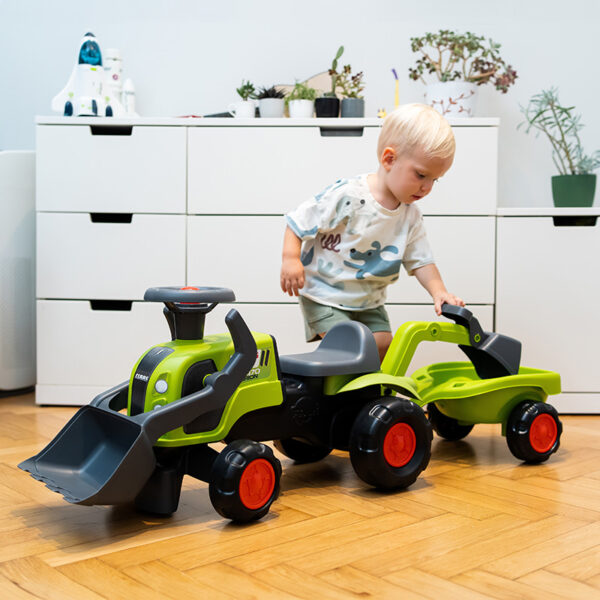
(477, 524)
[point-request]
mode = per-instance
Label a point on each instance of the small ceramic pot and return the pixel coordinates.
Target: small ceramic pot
(574, 190)
(271, 107)
(353, 107)
(327, 107)
(301, 109)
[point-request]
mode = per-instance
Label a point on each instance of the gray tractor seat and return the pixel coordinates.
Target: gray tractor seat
(348, 348)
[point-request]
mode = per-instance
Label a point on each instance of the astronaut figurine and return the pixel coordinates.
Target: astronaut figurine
(87, 92)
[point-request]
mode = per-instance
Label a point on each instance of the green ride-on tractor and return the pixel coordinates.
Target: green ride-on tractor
(136, 441)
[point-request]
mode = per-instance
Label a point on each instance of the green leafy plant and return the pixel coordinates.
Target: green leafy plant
(271, 92)
(301, 91)
(246, 90)
(333, 73)
(351, 86)
(455, 56)
(545, 114)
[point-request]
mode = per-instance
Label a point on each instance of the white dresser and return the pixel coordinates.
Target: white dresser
(123, 205)
(547, 295)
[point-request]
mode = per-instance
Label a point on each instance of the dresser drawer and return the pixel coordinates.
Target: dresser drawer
(244, 253)
(107, 168)
(79, 346)
(79, 258)
(547, 293)
(270, 170)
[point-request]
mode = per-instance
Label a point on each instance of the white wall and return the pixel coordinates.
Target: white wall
(188, 56)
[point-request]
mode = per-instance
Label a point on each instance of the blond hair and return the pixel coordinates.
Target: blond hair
(417, 126)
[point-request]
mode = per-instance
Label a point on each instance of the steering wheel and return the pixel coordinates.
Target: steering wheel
(190, 298)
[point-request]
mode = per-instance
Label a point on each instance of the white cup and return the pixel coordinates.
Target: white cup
(242, 110)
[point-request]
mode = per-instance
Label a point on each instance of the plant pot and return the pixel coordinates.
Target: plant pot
(301, 109)
(271, 107)
(353, 107)
(452, 98)
(573, 190)
(327, 106)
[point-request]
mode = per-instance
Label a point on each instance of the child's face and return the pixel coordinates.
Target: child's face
(410, 177)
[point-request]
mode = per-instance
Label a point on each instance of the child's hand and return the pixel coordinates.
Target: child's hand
(442, 297)
(292, 276)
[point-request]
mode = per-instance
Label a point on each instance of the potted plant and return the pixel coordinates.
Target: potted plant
(271, 102)
(576, 184)
(328, 105)
(301, 101)
(459, 62)
(246, 107)
(351, 86)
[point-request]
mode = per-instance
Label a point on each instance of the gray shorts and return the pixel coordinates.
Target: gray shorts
(320, 318)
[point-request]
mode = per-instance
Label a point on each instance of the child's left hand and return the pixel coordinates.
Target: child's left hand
(442, 297)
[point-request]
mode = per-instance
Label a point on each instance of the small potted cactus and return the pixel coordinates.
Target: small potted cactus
(328, 105)
(271, 103)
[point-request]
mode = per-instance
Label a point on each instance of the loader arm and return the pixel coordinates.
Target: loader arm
(411, 334)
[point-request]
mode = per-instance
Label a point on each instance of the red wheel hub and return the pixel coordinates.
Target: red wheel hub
(399, 445)
(542, 433)
(257, 484)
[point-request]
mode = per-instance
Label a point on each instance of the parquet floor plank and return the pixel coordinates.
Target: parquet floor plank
(476, 524)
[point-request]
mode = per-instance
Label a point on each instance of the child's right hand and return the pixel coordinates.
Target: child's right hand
(292, 276)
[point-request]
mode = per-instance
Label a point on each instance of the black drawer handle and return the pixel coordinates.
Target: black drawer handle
(111, 217)
(116, 305)
(111, 129)
(341, 131)
(584, 221)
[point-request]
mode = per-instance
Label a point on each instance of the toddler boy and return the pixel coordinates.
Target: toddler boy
(344, 246)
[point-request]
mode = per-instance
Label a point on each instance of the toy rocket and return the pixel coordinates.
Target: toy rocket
(87, 92)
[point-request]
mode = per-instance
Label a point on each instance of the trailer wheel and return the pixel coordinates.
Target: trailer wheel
(533, 431)
(445, 426)
(390, 443)
(244, 481)
(301, 451)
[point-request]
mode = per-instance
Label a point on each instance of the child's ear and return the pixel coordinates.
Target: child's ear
(388, 156)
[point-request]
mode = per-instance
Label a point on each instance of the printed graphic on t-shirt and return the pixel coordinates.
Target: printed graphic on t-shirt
(353, 247)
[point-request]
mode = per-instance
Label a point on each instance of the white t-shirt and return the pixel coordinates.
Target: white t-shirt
(353, 246)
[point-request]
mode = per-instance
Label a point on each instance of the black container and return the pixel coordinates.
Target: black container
(327, 106)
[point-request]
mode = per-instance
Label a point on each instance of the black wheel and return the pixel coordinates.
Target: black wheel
(445, 426)
(390, 443)
(301, 451)
(533, 431)
(244, 481)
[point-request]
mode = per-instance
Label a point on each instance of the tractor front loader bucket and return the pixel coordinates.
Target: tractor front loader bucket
(104, 457)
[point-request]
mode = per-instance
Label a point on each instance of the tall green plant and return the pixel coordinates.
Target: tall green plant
(561, 126)
(333, 72)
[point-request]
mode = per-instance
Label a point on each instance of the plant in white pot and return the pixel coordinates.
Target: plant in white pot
(576, 184)
(458, 63)
(244, 109)
(301, 101)
(351, 86)
(271, 103)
